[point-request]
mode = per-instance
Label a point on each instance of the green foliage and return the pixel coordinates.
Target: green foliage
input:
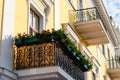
(60, 34)
(56, 35)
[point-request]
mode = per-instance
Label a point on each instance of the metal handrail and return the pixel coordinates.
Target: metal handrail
(114, 63)
(85, 9)
(87, 14)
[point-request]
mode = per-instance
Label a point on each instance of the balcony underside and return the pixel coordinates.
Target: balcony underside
(46, 73)
(92, 32)
(114, 73)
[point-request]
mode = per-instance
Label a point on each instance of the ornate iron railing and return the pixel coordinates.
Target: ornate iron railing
(114, 63)
(46, 54)
(87, 14)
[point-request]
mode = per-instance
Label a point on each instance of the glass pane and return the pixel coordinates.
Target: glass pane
(33, 22)
(36, 22)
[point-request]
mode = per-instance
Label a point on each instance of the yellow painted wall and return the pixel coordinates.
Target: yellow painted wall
(101, 59)
(50, 21)
(21, 16)
(1, 11)
(64, 11)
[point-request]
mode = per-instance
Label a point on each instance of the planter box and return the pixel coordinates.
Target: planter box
(78, 62)
(32, 41)
(26, 42)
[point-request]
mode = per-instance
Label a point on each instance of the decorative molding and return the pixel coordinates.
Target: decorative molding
(36, 7)
(48, 3)
(32, 4)
(71, 34)
(43, 4)
(88, 53)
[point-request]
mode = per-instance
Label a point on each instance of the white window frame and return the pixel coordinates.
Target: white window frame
(34, 6)
(48, 2)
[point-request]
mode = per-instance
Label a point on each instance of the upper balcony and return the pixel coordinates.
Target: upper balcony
(114, 69)
(49, 56)
(90, 27)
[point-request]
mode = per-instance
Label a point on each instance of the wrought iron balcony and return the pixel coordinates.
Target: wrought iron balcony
(114, 69)
(89, 25)
(43, 55)
(87, 14)
(114, 63)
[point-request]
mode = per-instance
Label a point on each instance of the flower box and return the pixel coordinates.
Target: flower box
(59, 36)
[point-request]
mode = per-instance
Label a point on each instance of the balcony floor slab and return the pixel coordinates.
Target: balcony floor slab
(44, 73)
(114, 73)
(92, 32)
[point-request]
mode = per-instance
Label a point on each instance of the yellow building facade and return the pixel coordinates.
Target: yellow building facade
(43, 10)
(85, 22)
(1, 10)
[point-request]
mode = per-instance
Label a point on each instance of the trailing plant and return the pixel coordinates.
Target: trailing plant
(60, 34)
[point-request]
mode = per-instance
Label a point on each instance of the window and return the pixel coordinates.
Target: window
(37, 17)
(103, 50)
(108, 53)
(93, 76)
(80, 4)
(34, 22)
(109, 57)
